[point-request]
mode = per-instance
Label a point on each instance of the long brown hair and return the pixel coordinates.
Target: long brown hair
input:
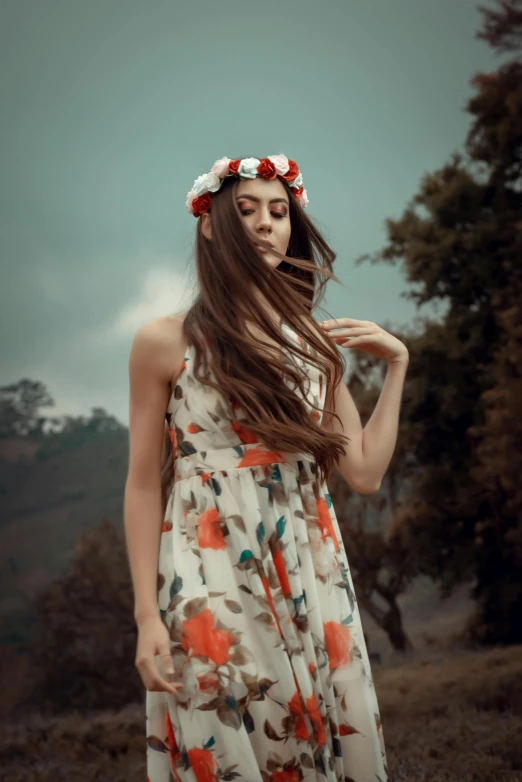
(231, 272)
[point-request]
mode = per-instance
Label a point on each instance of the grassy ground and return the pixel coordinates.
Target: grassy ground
(454, 717)
(447, 717)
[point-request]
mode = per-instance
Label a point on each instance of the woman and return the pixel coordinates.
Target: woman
(250, 604)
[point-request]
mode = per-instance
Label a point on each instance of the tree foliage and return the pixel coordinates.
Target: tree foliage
(84, 650)
(20, 405)
(460, 243)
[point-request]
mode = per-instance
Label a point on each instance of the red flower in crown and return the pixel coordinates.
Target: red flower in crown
(267, 169)
(292, 173)
(201, 204)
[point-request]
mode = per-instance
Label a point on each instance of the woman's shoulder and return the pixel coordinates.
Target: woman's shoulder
(164, 339)
(163, 329)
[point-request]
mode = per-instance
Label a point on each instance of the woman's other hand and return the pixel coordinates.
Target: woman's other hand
(153, 640)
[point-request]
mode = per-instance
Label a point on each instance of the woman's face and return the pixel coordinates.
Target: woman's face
(264, 208)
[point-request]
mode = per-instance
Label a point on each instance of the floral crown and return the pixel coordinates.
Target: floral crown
(199, 197)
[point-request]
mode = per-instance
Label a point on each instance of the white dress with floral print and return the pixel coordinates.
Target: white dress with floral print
(255, 589)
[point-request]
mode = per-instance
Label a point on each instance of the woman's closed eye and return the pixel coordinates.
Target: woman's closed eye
(276, 214)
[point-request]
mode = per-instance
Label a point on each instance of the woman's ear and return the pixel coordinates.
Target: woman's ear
(206, 225)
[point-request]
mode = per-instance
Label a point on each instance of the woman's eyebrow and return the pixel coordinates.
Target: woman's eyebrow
(253, 198)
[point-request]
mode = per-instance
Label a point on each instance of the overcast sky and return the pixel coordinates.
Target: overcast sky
(111, 108)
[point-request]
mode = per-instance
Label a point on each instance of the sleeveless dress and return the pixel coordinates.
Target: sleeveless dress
(255, 589)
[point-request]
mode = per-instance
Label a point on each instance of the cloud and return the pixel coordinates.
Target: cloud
(163, 292)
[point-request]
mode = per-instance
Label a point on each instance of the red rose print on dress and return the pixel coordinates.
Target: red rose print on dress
(300, 729)
(280, 566)
(312, 708)
(203, 764)
(286, 776)
(210, 534)
(200, 635)
(325, 520)
(338, 640)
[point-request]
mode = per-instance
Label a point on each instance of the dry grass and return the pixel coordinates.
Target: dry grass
(455, 717)
(447, 717)
(76, 748)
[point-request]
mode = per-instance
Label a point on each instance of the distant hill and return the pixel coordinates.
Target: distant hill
(50, 490)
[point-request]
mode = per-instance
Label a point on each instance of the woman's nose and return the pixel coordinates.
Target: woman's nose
(264, 221)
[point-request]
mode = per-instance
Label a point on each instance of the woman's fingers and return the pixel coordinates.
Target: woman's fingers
(157, 674)
(165, 663)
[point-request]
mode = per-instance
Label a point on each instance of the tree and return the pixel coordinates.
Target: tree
(20, 405)
(85, 645)
(503, 27)
(460, 243)
(498, 533)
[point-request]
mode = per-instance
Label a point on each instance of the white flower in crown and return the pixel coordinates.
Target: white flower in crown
(191, 195)
(248, 168)
(298, 181)
(304, 199)
(214, 182)
(280, 163)
(220, 167)
(200, 185)
(206, 183)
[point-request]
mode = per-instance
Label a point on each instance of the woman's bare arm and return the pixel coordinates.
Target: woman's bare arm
(156, 351)
(370, 450)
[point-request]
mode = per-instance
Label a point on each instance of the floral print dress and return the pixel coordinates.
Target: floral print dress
(255, 589)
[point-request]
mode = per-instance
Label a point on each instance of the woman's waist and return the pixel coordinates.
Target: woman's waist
(233, 457)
